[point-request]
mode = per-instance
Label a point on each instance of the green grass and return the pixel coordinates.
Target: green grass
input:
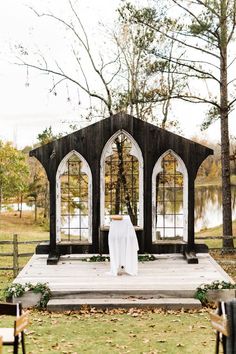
(25, 227)
(233, 180)
(116, 332)
(27, 230)
(220, 258)
(214, 231)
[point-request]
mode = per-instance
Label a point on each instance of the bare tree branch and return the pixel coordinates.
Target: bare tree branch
(65, 76)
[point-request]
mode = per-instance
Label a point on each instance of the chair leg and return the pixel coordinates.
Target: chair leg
(224, 344)
(23, 343)
(217, 342)
(15, 351)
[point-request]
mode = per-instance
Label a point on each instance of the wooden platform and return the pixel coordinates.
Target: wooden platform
(75, 282)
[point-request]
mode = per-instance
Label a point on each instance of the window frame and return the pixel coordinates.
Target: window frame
(182, 169)
(86, 169)
(107, 151)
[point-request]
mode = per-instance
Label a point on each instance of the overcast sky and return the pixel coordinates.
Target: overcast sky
(26, 111)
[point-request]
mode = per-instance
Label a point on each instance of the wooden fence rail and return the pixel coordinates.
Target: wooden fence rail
(15, 253)
(215, 237)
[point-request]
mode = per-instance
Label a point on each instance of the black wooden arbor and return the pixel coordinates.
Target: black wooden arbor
(154, 174)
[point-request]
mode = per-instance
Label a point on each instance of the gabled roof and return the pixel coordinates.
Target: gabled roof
(89, 142)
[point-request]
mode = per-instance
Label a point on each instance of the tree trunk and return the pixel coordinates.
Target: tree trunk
(124, 182)
(118, 189)
(35, 209)
(21, 202)
(225, 160)
(0, 198)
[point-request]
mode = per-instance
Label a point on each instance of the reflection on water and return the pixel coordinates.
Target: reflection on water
(16, 207)
(208, 207)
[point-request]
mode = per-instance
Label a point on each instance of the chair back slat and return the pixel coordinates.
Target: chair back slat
(21, 323)
(0, 345)
(10, 309)
(219, 323)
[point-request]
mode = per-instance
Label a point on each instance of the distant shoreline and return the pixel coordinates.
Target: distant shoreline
(214, 231)
(214, 182)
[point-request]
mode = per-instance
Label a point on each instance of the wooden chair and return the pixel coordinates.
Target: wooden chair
(220, 324)
(15, 335)
(0, 345)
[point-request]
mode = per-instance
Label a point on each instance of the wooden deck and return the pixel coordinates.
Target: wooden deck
(168, 282)
(170, 272)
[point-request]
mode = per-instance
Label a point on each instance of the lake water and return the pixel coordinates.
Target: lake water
(14, 207)
(208, 207)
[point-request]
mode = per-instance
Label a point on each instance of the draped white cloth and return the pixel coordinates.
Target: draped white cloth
(123, 246)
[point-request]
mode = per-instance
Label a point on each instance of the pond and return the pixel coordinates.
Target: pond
(16, 206)
(208, 206)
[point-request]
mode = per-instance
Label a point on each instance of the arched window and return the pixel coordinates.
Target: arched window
(122, 179)
(170, 198)
(74, 197)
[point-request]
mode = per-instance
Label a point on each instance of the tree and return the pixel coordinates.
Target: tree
(150, 81)
(47, 136)
(38, 188)
(13, 172)
(127, 80)
(205, 31)
(128, 77)
(38, 185)
(98, 87)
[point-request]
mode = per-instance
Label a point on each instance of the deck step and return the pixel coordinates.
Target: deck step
(60, 305)
(93, 293)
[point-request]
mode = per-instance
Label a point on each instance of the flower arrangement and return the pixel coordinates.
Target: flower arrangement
(98, 258)
(18, 290)
(101, 258)
(202, 290)
(146, 257)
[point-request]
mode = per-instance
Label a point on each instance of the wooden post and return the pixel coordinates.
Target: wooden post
(15, 255)
(53, 256)
(191, 242)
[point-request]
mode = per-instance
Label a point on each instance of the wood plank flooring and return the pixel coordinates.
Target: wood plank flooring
(170, 272)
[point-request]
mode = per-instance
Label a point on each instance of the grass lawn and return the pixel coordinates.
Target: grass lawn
(120, 332)
(25, 227)
(214, 231)
(233, 180)
(27, 230)
(223, 259)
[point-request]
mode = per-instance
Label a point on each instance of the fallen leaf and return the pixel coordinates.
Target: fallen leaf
(135, 314)
(179, 345)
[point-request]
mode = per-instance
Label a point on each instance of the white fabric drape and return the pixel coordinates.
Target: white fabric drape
(123, 246)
